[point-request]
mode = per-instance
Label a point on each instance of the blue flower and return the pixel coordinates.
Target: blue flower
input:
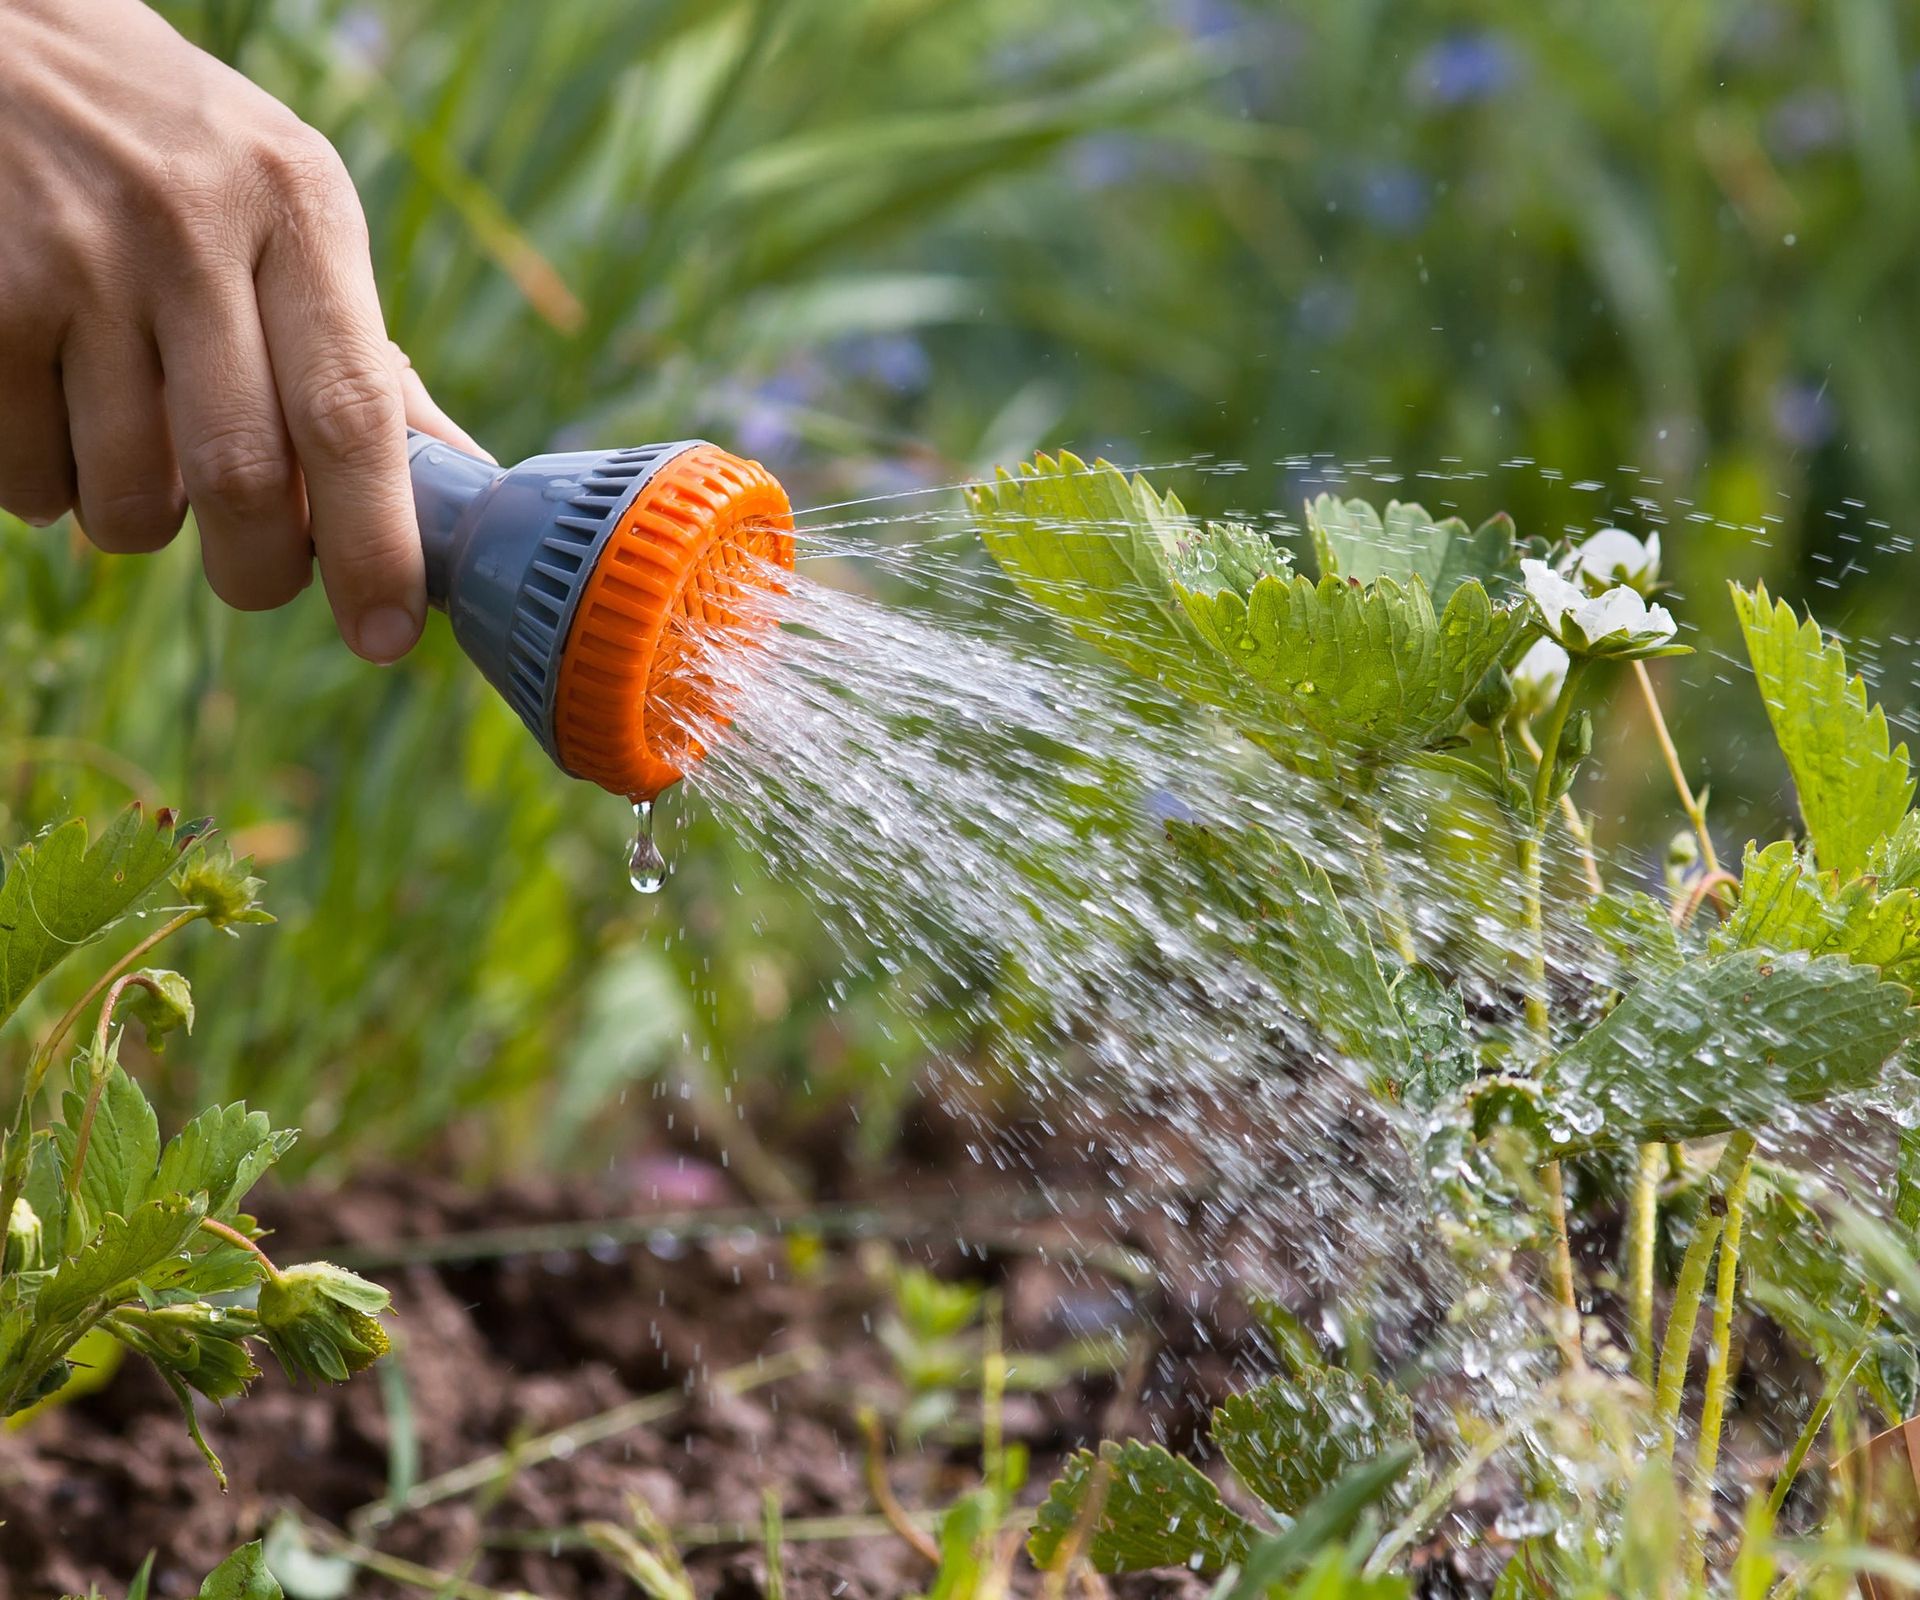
(1464, 68)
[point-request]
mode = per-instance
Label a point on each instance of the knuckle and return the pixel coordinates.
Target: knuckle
(305, 178)
(349, 410)
(131, 521)
(243, 470)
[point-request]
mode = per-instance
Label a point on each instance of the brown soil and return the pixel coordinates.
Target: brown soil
(507, 1344)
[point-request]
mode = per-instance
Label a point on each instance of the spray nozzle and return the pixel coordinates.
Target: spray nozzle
(583, 584)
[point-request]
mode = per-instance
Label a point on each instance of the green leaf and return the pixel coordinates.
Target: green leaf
(123, 1143)
(1786, 905)
(1156, 1510)
(1290, 925)
(221, 1153)
(1098, 548)
(60, 892)
(242, 1576)
(1853, 788)
(1440, 1053)
(1352, 540)
(1336, 1573)
(1727, 1042)
(1293, 1437)
(127, 1251)
(1373, 671)
(1638, 931)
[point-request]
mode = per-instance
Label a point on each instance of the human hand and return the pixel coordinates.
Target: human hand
(188, 316)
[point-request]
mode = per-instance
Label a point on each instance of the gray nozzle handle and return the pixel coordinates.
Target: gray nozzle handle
(446, 484)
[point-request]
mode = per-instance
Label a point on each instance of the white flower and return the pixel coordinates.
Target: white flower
(1611, 556)
(1617, 622)
(1538, 674)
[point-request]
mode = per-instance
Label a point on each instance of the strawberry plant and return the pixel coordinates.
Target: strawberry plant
(109, 1228)
(1622, 1043)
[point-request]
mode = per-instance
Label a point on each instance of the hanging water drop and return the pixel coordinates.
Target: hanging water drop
(646, 867)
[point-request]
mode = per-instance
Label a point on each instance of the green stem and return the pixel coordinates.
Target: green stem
(1563, 1289)
(235, 1237)
(1696, 813)
(1643, 1222)
(1533, 854)
(1810, 1431)
(1386, 894)
(1713, 1409)
(1690, 1290)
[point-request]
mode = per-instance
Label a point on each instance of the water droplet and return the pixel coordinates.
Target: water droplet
(646, 867)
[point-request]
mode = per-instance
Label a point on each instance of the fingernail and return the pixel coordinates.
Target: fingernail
(386, 635)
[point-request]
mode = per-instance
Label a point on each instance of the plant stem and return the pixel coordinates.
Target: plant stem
(234, 1236)
(1713, 1409)
(1386, 894)
(1570, 814)
(1810, 1431)
(1643, 1222)
(1533, 853)
(1729, 1179)
(1554, 1181)
(1696, 813)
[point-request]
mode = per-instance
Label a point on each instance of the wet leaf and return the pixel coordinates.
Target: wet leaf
(1785, 904)
(1098, 548)
(1292, 1438)
(1156, 1511)
(1371, 670)
(1353, 540)
(61, 892)
(1853, 787)
(222, 1152)
(1727, 1042)
(1289, 923)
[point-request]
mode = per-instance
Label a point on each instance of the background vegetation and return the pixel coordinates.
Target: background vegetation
(882, 245)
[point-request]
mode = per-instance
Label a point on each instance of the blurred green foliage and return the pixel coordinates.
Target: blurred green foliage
(882, 243)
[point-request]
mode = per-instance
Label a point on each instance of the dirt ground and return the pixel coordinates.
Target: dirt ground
(507, 1339)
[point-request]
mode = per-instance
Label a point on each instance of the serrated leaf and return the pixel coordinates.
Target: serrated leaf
(1336, 1572)
(128, 1250)
(1290, 1439)
(1638, 931)
(1728, 1042)
(1370, 670)
(1353, 540)
(123, 1143)
(1854, 785)
(46, 1187)
(1156, 1510)
(1095, 547)
(242, 1576)
(1290, 925)
(1440, 1053)
(61, 892)
(1786, 905)
(222, 1152)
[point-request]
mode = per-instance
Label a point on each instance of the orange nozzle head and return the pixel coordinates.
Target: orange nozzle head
(684, 555)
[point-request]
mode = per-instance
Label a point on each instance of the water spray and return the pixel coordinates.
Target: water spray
(587, 585)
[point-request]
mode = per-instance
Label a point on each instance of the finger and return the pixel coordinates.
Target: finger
(342, 402)
(424, 413)
(36, 460)
(129, 496)
(235, 457)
